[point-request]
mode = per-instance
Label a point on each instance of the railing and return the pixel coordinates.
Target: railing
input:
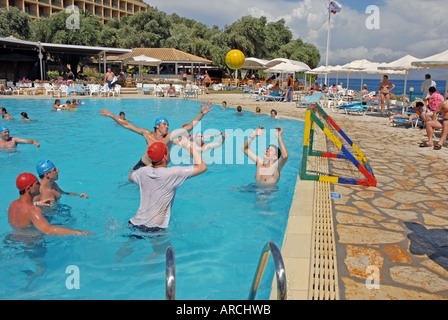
(170, 274)
(279, 271)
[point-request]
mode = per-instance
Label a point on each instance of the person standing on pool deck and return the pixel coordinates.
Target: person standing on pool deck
(8, 142)
(158, 185)
(160, 133)
(49, 189)
(268, 167)
(23, 214)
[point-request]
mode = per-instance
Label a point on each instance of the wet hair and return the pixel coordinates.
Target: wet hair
(239, 108)
(258, 109)
(277, 149)
(68, 101)
(275, 111)
(3, 109)
(57, 100)
(432, 89)
(24, 114)
(121, 113)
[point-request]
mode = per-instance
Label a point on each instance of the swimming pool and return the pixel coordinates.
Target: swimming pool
(219, 224)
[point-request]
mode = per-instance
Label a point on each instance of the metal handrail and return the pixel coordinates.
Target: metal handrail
(279, 271)
(170, 274)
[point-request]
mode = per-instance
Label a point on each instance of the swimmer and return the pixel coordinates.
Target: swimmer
(123, 117)
(57, 105)
(239, 110)
(49, 189)
(257, 110)
(160, 133)
(79, 102)
(224, 105)
(8, 142)
(5, 114)
(268, 167)
(23, 214)
(273, 113)
(24, 117)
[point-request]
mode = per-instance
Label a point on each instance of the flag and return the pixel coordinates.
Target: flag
(335, 7)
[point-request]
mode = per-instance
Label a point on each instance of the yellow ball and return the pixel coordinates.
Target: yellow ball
(235, 59)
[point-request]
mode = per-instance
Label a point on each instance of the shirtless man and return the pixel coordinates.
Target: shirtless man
(49, 189)
(23, 214)
(437, 124)
(8, 142)
(268, 167)
(5, 114)
(384, 91)
(160, 133)
(109, 77)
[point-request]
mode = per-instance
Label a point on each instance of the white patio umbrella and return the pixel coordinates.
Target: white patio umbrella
(287, 67)
(142, 60)
(358, 66)
(252, 63)
(339, 69)
(437, 61)
(319, 70)
(402, 64)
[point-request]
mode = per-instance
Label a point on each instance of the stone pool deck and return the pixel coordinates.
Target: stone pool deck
(395, 233)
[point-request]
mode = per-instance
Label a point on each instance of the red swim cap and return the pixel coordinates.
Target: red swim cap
(157, 151)
(24, 180)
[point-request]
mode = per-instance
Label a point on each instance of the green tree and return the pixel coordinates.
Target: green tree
(14, 22)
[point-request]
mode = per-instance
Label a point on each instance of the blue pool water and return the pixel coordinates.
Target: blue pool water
(219, 224)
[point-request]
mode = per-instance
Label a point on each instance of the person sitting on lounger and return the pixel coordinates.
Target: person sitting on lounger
(415, 113)
(437, 124)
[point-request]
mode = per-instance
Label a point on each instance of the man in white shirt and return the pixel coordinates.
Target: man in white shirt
(158, 185)
(428, 83)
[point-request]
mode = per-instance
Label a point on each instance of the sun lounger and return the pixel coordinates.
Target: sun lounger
(314, 98)
(360, 109)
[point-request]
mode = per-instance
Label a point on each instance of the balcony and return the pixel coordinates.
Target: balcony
(56, 3)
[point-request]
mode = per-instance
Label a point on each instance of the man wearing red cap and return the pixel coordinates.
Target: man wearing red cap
(23, 214)
(160, 133)
(8, 142)
(158, 185)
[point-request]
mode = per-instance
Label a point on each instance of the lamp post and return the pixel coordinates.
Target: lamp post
(411, 89)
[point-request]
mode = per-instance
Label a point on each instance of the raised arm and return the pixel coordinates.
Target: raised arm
(214, 145)
(284, 151)
(124, 123)
(179, 132)
(199, 163)
(246, 146)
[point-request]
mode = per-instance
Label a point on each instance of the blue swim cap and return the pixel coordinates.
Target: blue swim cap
(44, 166)
(3, 128)
(160, 120)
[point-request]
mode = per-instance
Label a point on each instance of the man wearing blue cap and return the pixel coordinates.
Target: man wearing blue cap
(160, 133)
(8, 142)
(49, 189)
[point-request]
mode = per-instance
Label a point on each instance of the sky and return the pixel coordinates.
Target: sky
(380, 31)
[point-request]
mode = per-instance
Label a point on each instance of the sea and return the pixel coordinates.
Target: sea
(373, 85)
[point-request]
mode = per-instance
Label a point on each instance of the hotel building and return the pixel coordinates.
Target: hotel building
(104, 9)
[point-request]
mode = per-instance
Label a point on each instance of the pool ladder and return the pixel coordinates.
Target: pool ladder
(268, 248)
